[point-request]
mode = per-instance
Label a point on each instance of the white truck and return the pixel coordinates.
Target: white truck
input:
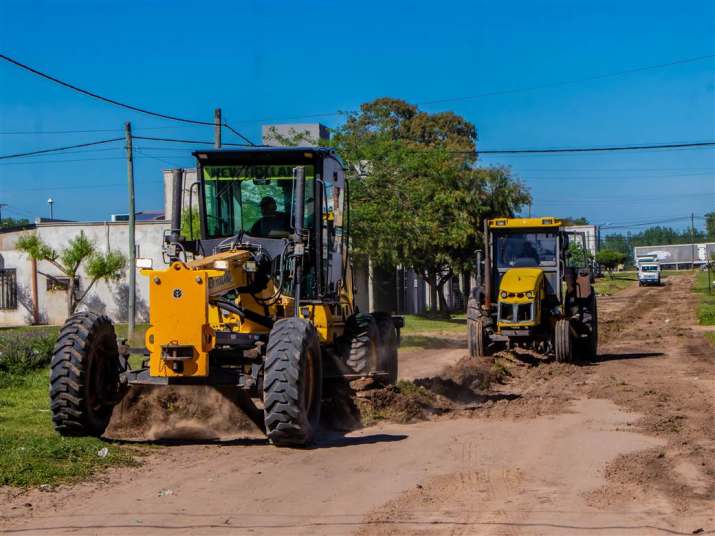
(648, 273)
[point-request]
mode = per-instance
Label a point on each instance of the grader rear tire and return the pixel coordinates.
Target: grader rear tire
(292, 383)
(563, 341)
(387, 348)
(84, 376)
(364, 336)
(477, 338)
(589, 347)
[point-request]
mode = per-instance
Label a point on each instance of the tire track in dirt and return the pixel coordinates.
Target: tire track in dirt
(650, 356)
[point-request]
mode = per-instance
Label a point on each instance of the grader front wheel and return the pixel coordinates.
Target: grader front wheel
(477, 338)
(292, 385)
(563, 341)
(84, 377)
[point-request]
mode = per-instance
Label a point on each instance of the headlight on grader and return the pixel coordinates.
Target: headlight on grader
(530, 294)
(503, 294)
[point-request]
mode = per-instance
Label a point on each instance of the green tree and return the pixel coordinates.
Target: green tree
(420, 202)
(190, 224)
(13, 222)
(569, 220)
(710, 225)
(610, 259)
(80, 252)
(578, 255)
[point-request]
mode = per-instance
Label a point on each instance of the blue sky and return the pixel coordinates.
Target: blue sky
(281, 61)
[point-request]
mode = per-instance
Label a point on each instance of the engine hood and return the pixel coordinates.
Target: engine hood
(516, 282)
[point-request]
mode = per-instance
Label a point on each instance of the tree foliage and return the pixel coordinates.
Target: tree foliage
(578, 255)
(610, 259)
(420, 201)
(655, 236)
(6, 223)
(710, 225)
(80, 251)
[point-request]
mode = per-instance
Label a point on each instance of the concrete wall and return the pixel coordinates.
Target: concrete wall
(311, 132)
(591, 235)
(107, 298)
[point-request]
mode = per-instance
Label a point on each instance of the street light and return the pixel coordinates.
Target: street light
(50, 202)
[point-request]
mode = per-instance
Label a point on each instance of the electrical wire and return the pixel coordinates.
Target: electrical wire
(499, 92)
(174, 140)
(41, 162)
(41, 151)
(117, 103)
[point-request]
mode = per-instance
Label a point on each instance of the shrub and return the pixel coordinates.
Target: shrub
(23, 351)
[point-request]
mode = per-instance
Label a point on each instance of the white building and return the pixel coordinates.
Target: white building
(107, 298)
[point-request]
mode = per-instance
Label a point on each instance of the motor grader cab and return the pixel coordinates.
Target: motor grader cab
(261, 300)
(530, 293)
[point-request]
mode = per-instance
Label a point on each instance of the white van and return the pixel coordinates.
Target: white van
(648, 273)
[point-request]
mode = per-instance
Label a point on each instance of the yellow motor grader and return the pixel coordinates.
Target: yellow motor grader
(531, 292)
(262, 300)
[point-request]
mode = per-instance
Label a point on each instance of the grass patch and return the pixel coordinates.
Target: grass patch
(427, 324)
(710, 336)
(605, 286)
(32, 452)
(53, 331)
(430, 342)
(706, 302)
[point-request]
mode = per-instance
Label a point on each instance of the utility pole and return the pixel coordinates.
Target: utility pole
(692, 241)
(132, 246)
(217, 128)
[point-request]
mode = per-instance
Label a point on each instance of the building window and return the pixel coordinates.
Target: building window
(8, 289)
(61, 283)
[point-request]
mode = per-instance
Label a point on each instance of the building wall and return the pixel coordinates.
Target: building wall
(591, 235)
(106, 298)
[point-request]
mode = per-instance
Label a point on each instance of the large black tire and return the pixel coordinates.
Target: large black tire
(387, 349)
(589, 345)
(364, 336)
(292, 383)
(477, 338)
(563, 341)
(84, 376)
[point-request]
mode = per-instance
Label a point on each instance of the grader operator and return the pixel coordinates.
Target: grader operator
(262, 301)
(531, 294)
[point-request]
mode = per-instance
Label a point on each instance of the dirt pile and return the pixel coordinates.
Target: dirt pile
(460, 388)
(180, 412)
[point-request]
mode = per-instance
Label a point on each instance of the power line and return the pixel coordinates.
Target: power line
(573, 81)
(115, 102)
(87, 131)
(42, 162)
(41, 151)
(501, 92)
(693, 145)
(592, 149)
(646, 223)
(174, 140)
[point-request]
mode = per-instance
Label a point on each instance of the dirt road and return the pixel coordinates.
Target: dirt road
(622, 446)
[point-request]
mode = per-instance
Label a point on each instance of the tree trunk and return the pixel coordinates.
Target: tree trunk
(440, 291)
(443, 307)
(71, 305)
(432, 282)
